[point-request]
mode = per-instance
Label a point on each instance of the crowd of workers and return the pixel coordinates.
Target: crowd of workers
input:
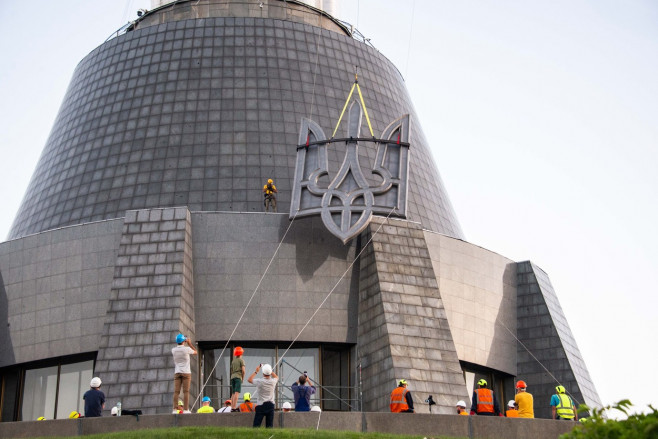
(485, 402)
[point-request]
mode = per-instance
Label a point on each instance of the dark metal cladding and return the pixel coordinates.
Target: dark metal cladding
(200, 112)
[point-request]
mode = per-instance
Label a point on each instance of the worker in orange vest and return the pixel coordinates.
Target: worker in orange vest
(512, 411)
(484, 401)
(401, 400)
(461, 408)
(247, 405)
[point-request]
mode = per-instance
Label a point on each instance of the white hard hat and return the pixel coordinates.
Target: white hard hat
(460, 404)
(510, 403)
(286, 405)
(95, 382)
(114, 411)
(267, 369)
(316, 408)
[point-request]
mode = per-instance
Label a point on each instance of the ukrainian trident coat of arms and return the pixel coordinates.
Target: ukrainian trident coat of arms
(346, 201)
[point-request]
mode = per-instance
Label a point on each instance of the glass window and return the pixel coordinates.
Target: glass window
(218, 386)
(73, 383)
(252, 358)
(39, 393)
(294, 364)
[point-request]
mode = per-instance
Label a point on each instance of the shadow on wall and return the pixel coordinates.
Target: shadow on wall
(6, 347)
(314, 245)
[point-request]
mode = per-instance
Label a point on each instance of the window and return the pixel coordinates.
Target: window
(327, 368)
(55, 391)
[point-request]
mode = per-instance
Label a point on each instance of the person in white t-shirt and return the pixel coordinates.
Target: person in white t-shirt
(265, 388)
(226, 408)
(182, 371)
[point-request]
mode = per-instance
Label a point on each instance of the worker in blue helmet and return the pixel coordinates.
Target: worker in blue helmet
(182, 371)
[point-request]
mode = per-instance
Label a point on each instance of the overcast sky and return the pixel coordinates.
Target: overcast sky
(542, 117)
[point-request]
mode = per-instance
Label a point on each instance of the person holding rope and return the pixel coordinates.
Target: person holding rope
(265, 388)
(302, 393)
(269, 192)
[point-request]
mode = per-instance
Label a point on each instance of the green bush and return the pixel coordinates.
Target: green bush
(597, 426)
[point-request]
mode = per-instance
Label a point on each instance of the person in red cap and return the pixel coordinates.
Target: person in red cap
(237, 376)
(226, 408)
(524, 400)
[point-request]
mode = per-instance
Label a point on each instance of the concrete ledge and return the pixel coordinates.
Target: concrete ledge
(476, 427)
(424, 424)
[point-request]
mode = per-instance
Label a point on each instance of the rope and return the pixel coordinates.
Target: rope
(347, 101)
(536, 359)
(245, 309)
(411, 28)
(334, 287)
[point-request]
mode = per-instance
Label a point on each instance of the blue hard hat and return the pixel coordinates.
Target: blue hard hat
(205, 399)
(180, 338)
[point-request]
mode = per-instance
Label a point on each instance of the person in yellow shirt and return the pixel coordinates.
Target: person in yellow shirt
(524, 400)
(205, 406)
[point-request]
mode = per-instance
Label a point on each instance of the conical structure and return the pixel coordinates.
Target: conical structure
(144, 218)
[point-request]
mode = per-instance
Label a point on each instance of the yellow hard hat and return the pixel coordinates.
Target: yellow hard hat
(270, 181)
(402, 383)
(246, 396)
(41, 418)
(74, 415)
(560, 389)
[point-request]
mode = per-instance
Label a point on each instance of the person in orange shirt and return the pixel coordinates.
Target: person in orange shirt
(247, 405)
(524, 400)
(461, 408)
(512, 411)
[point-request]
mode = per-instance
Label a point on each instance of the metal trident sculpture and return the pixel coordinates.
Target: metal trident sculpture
(348, 202)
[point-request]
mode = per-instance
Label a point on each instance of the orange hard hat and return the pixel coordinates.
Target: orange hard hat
(521, 384)
(238, 351)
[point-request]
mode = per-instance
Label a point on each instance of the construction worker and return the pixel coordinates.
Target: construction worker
(302, 390)
(512, 411)
(461, 408)
(524, 400)
(287, 407)
(182, 371)
(205, 406)
(562, 405)
(226, 408)
(269, 192)
(179, 408)
(401, 399)
(265, 387)
(247, 405)
(94, 399)
(237, 376)
(484, 401)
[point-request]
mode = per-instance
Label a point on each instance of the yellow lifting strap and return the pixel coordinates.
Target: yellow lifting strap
(365, 110)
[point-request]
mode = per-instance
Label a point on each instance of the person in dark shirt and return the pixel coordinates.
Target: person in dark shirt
(302, 391)
(94, 399)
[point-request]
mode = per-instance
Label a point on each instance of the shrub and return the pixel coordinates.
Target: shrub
(597, 426)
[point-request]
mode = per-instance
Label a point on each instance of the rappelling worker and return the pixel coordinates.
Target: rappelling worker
(484, 401)
(524, 400)
(563, 406)
(269, 192)
(247, 405)
(401, 400)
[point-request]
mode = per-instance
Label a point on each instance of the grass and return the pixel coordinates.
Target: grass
(245, 433)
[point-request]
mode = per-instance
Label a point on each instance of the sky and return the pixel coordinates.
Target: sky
(542, 117)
